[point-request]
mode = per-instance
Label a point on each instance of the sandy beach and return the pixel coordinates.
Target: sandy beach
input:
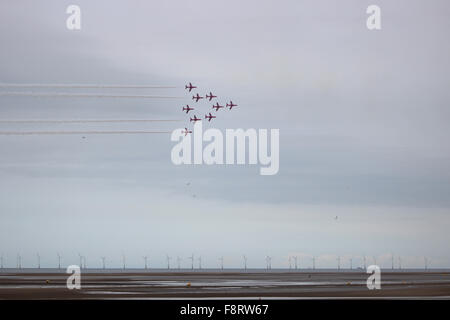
(218, 284)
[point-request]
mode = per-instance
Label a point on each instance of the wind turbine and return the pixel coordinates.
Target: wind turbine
(81, 260)
(392, 261)
(314, 262)
(375, 260)
(145, 262)
(268, 262)
(168, 261)
(124, 262)
(19, 261)
(59, 260)
(103, 262)
(200, 262)
(399, 262)
(245, 261)
(351, 263)
(178, 262)
(192, 261)
(339, 262)
(295, 261)
(365, 265)
(426, 262)
(39, 261)
(290, 263)
(221, 262)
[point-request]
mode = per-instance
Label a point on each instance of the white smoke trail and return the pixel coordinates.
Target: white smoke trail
(81, 86)
(12, 121)
(83, 95)
(23, 133)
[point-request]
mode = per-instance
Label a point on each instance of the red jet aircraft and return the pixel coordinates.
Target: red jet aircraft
(187, 108)
(209, 117)
(186, 131)
(211, 96)
(231, 105)
(195, 119)
(190, 87)
(217, 107)
(196, 98)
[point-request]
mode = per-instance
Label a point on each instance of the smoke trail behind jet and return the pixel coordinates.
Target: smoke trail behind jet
(83, 95)
(12, 121)
(23, 133)
(81, 86)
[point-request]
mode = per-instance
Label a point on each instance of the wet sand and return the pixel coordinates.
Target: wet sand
(139, 284)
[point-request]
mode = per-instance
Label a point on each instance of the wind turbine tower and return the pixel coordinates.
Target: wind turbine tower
(145, 262)
(339, 262)
(103, 263)
(245, 261)
(221, 262)
(192, 261)
(178, 262)
(268, 262)
(59, 260)
(168, 261)
(295, 261)
(124, 262)
(39, 261)
(200, 262)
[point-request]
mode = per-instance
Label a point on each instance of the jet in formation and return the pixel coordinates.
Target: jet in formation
(195, 119)
(196, 98)
(211, 96)
(231, 105)
(187, 108)
(190, 87)
(217, 106)
(209, 117)
(186, 131)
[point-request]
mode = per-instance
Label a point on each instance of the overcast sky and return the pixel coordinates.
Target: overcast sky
(363, 118)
